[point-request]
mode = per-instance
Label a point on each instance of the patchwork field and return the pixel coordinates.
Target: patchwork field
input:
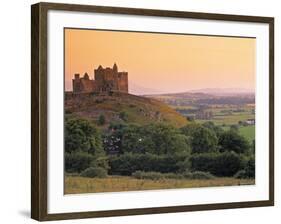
(76, 185)
(225, 116)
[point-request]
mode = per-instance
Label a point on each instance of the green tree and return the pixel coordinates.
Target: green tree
(248, 171)
(127, 163)
(81, 135)
(219, 164)
(190, 128)
(250, 167)
(202, 139)
(154, 138)
(232, 141)
(76, 162)
(94, 172)
(133, 139)
(210, 125)
(234, 128)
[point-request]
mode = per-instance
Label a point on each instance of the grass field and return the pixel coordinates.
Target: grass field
(76, 185)
(230, 115)
(248, 132)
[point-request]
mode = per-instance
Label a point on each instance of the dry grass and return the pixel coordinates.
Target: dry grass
(75, 185)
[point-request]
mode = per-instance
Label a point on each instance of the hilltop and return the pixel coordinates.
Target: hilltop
(118, 106)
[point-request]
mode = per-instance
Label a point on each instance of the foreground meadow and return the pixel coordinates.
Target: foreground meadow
(76, 184)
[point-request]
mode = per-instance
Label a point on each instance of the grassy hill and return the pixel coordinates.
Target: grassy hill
(117, 106)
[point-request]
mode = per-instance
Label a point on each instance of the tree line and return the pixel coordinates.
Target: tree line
(128, 149)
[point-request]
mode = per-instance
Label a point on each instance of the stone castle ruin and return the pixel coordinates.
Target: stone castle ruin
(106, 79)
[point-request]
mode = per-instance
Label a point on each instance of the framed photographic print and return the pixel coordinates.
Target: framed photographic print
(140, 111)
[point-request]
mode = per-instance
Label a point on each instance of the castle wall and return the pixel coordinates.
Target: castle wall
(76, 85)
(88, 85)
(123, 81)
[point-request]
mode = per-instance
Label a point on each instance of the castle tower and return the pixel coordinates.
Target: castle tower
(77, 76)
(76, 83)
(86, 76)
(115, 68)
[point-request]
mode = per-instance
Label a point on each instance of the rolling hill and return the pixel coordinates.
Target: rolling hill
(116, 106)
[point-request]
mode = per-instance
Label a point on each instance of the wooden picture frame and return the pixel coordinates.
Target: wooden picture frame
(39, 109)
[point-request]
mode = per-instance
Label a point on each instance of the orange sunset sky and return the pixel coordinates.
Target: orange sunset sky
(163, 63)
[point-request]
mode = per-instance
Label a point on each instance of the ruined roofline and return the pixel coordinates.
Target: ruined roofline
(114, 68)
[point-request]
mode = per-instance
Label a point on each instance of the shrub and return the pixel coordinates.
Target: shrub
(241, 174)
(137, 174)
(173, 175)
(218, 164)
(198, 175)
(232, 141)
(81, 135)
(94, 172)
(234, 128)
(128, 163)
(184, 166)
(101, 161)
(248, 171)
(77, 161)
(250, 168)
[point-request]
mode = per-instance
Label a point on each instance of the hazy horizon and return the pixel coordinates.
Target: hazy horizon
(163, 63)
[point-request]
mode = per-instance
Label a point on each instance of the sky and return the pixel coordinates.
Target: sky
(163, 63)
